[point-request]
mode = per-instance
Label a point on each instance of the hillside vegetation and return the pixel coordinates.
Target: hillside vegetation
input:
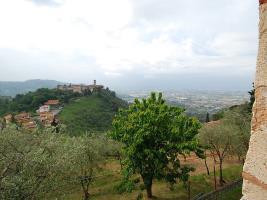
(88, 112)
(91, 113)
(49, 164)
(31, 101)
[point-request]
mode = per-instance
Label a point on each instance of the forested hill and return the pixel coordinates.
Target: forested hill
(92, 113)
(31, 101)
(81, 113)
(12, 88)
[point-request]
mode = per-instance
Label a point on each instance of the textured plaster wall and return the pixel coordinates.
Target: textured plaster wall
(255, 168)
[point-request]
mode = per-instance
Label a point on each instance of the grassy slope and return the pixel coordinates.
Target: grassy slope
(103, 188)
(93, 113)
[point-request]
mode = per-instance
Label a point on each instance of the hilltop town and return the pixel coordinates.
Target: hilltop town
(80, 88)
(47, 113)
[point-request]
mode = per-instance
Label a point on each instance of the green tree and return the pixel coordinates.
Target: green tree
(47, 165)
(154, 135)
(31, 165)
(219, 115)
(207, 117)
(219, 139)
(86, 157)
(239, 118)
(251, 98)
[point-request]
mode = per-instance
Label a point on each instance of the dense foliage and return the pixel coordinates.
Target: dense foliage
(154, 135)
(239, 117)
(229, 135)
(45, 165)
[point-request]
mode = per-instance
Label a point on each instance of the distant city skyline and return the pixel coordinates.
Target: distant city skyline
(131, 44)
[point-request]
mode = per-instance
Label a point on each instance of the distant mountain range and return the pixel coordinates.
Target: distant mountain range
(12, 88)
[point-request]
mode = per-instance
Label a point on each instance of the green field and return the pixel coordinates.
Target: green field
(90, 114)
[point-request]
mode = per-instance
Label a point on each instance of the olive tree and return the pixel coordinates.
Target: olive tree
(219, 138)
(239, 118)
(154, 135)
(86, 157)
(30, 164)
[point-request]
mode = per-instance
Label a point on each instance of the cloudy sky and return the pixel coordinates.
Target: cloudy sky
(131, 44)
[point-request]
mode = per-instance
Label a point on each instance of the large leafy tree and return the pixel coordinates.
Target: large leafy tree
(154, 135)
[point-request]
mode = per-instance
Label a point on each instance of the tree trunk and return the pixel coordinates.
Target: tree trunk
(214, 176)
(255, 178)
(214, 158)
(85, 187)
(86, 195)
(148, 185)
(149, 191)
(207, 167)
(189, 189)
(221, 173)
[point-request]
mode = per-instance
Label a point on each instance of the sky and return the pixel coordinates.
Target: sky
(131, 44)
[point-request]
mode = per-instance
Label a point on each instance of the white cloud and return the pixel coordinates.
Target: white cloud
(120, 37)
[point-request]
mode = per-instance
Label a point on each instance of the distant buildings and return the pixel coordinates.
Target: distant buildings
(44, 108)
(49, 111)
(47, 116)
(80, 88)
(53, 102)
(25, 121)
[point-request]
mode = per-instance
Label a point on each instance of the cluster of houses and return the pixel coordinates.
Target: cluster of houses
(49, 111)
(22, 119)
(47, 115)
(80, 88)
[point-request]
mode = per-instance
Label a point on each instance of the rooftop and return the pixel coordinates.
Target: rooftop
(52, 102)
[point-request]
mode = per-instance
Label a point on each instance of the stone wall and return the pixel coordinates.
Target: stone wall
(255, 168)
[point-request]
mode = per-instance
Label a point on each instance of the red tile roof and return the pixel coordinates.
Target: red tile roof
(52, 102)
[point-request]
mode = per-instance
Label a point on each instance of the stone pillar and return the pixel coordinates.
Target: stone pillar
(255, 168)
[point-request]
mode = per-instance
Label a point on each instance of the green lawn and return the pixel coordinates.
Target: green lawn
(103, 188)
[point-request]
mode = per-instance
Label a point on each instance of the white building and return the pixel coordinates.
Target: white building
(44, 108)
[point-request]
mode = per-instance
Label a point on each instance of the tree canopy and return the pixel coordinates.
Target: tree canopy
(46, 165)
(154, 135)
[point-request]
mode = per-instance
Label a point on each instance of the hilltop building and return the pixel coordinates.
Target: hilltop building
(80, 88)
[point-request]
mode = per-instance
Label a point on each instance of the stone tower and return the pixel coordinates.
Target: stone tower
(255, 168)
